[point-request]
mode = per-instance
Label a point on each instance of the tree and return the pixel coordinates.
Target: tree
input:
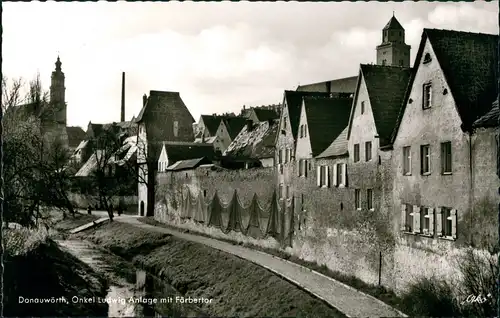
(33, 167)
(112, 170)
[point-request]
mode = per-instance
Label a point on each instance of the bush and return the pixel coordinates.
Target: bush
(480, 273)
(476, 296)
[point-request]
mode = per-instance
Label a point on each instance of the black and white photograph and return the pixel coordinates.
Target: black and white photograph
(250, 159)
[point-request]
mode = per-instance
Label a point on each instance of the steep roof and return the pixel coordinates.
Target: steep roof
(490, 119)
(173, 99)
(188, 164)
(188, 150)
(469, 62)
(293, 101)
(340, 85)
(258, 143)
(212, 122)
(24, 111)
(265, 114)
(393, 24)
(338, 147)
(386, 86)
(75, 135)
(234, 125)
(326, 118)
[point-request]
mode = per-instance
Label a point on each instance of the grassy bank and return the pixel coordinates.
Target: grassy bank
(237, 287)
(379, 292)
(36, 269)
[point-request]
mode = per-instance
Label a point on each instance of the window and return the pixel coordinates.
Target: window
(302, 163)
(369, 199)
(447, 218)
(427, 98)
(368, 150)
(356, 152)
(446, 157)
(339, 174)
(427, 58)
(176, 128)
(357, 199)
(305, 130)
(322, 176)
(280, 154)
(287, 155)
(384, 61)
(287, 194)
(425, 157)
(362, 107)
(301, 131)
(280, 191)
(427, 221)
(407, 161)
(284, 123)
(407, 217)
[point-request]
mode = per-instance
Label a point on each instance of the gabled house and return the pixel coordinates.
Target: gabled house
(173, 152)
(377, 103)
(322, 119)
(253, 146)
(228, 129)
(163, 117)
(444, 145)
(207, 126)
(288, 131)
(258, 115)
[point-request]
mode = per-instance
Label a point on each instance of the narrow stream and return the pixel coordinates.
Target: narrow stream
(132, 292)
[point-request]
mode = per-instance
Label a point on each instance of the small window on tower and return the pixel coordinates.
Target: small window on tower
(427, 58)
(384, 62)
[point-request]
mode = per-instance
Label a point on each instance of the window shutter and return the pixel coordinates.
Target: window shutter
(431, 221)
(416, 219)
(453, 215)
(343, 167)
(335, 174)
(318, 173)
(305, 167)
(299, 167)
(439, 222)
(403, 217)
(327, 176)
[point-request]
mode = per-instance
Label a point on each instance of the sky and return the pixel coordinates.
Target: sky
(219, 56)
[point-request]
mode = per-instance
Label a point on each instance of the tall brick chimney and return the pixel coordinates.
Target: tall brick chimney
(122, 118)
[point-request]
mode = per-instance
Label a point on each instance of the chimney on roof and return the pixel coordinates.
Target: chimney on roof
(122, 118)
(249, 125)
(144, 100)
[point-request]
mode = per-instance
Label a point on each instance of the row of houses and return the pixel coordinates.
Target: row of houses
(412, 148)
(398, 159)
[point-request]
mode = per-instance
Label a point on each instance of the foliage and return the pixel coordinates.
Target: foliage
(35, 167)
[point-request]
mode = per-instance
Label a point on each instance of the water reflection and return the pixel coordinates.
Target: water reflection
(132, 292)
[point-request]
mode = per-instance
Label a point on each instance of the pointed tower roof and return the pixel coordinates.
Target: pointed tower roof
(393, 24)
(58, 64)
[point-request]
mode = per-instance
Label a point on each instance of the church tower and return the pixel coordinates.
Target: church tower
(57, 94)
(393, 51)
(54, 127)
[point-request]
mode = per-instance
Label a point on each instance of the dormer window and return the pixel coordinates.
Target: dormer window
(427, 58)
